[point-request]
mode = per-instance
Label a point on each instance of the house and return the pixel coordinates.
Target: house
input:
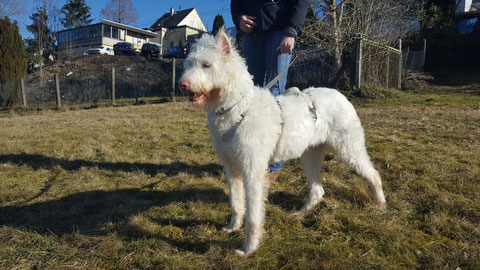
(74, 42)
(468, 5)
(177, 28)
(467, 16)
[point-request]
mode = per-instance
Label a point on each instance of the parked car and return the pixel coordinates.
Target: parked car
(186, 49)
(99, 50)
(123, 48)
(150, 49)
(174, 52)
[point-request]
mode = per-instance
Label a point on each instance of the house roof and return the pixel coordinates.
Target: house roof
(130, 28)
(119, 25)
(469, 14)
(168, 21)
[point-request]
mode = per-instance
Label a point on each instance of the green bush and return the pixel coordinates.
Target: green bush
(13, 62)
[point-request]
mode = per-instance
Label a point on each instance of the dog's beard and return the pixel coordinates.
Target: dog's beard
(203, 99)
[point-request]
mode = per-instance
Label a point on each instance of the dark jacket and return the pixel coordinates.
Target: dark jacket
(272, 15)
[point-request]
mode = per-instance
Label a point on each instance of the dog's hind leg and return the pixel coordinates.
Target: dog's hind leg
(354, 152)
(237, 199)
(312, 165)
(255, 195)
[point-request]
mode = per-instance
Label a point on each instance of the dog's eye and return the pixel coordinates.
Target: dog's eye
(206, 65)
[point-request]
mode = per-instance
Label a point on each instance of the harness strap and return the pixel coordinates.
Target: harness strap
(307, 98)
(272, 82)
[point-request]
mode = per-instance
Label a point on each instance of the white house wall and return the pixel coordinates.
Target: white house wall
(193, 20)
(464, 5)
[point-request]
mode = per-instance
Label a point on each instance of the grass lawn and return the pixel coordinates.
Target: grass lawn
(139, 187)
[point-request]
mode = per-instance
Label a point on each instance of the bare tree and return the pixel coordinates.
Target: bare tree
(121, 11)
(11, 8)
(53, 12)
(340, 22)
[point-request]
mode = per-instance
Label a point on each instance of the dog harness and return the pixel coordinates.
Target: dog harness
(228, 135)
(307, 99)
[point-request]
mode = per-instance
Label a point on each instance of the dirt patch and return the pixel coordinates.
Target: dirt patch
(91, 65)
(416, 81)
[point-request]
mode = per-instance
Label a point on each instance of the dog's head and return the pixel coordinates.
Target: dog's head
(210, 69)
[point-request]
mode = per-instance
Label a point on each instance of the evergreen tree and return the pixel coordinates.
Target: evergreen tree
(217, 24)
(13, 62)
(439, 15)
(76, 13)
(438, 27)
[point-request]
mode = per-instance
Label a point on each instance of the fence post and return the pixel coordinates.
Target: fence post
(57, 86)
(400, 65)
(358, 63)
(173, 80)
(388, 68)
(424, 54)
(24, 95)
(113, 86)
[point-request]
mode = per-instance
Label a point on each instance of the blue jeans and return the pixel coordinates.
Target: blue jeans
(264, 62)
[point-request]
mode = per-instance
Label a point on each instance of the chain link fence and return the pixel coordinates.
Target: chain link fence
(150, 81)
(40, 91)
(415, 60)
(377, 65)
(135, 83)
(10, 94)
(312, 67)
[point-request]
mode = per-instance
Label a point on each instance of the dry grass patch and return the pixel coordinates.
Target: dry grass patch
(140, 188)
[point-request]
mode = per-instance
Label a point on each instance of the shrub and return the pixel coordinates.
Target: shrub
(13, 62)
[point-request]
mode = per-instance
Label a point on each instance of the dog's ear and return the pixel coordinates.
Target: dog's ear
(223, 41)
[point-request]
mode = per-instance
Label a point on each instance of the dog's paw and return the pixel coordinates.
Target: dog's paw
(382, 206)
(248, 249)
(228, 229)
(299, 214)
(240, 252)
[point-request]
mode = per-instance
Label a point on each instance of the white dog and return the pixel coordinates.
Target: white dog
(250, 129)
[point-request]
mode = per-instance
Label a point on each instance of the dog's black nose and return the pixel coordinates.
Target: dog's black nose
(184, 85)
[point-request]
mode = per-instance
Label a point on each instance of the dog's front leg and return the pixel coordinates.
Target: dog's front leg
(237, 199)
(255, 195)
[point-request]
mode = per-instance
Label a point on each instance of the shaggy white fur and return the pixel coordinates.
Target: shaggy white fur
(249, 130)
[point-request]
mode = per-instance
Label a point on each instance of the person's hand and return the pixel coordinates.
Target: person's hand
(247, 23)
(287, 45)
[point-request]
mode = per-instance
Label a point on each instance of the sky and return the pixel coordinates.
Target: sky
(148, 11)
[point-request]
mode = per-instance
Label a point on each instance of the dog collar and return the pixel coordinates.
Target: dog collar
(222, 110)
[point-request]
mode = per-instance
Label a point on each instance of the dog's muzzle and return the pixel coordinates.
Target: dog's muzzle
(184, 85)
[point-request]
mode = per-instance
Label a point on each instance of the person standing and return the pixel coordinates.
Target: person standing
(269, 30)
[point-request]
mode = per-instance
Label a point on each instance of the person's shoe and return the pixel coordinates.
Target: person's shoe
(273, 176)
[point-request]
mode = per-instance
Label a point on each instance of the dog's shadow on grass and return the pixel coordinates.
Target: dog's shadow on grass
(286, 200)
(97, 213)
(101, 212)
(37, 162)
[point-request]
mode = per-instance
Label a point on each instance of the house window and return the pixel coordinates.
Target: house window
(115, 32)
(107, 31)
(122, 34)
(61, 37)
(95, 31)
